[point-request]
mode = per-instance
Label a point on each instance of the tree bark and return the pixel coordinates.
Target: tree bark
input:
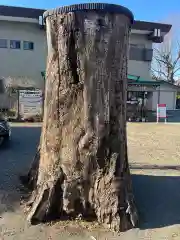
(83, 167)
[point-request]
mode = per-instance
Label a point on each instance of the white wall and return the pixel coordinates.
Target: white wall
(167, 96)
(29, 64)
(140, 68)
(140, 39)
(21, 63)
(150, 102)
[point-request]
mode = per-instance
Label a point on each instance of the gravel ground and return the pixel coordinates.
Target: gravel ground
(154, 154)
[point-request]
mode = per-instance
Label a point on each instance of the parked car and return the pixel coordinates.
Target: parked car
(5, 131)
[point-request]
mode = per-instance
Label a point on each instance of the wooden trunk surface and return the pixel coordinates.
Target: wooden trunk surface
(83, 166)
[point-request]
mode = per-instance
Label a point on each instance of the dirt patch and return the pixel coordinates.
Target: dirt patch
(154, 154)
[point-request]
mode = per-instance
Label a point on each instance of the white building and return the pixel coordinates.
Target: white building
(23, 48)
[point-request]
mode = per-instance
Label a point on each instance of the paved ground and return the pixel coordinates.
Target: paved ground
(154, 153)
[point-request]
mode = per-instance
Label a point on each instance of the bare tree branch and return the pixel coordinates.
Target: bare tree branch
(159, 72)
(166, 60)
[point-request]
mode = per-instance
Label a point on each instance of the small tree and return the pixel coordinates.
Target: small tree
(19, 82)
(12, 85)
(166, 60)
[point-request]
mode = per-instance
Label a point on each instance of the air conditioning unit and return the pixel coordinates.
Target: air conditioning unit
(156, 36)
(157, 33)
(41, 22)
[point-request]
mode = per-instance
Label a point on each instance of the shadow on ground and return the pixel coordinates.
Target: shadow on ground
(142, 166)
(157, 199)
(15, 160)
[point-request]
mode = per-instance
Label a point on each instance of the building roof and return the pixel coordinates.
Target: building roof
(150, 26)
(137, 80)
(20, 12)
(35, 13)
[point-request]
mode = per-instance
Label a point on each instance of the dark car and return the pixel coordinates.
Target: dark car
(5, 130)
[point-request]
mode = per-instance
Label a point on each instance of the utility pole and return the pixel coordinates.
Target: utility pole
(43, 91)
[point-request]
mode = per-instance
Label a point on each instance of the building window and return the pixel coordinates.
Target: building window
(3, 43)
(137, 45)
(14, 44)
(28, 45)
(138, 52)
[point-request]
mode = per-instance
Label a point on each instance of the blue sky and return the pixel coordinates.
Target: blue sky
(149, 10)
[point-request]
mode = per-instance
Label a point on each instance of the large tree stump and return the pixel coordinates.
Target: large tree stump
(83, 168)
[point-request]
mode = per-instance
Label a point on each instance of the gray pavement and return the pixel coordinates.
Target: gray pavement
(14, 160)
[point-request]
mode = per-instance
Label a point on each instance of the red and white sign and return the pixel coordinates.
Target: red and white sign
(161, 111)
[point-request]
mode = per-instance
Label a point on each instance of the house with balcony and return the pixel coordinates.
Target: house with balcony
(23, 51)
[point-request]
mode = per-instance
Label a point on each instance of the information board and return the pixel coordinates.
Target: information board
(161, 111)
(30, 102)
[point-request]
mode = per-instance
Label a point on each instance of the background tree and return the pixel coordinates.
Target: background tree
(166, 59)
(19, 82)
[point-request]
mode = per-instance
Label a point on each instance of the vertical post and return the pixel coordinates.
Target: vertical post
(18, 107)
(157, 117)
(43, 97)
(43, 93)
(159, 95)
(157, 114)
(175, 100)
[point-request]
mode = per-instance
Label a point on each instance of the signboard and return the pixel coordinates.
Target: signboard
(161, 112)
(30, 102)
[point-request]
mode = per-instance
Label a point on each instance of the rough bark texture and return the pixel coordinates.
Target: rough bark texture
(83, 167)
